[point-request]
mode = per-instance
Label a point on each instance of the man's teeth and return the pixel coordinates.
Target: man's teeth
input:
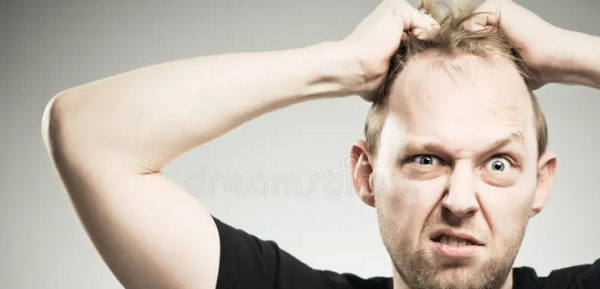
(455, 241)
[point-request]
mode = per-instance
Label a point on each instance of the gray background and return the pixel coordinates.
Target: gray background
(49, 46)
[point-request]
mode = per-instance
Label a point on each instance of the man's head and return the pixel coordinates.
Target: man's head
(455, 147)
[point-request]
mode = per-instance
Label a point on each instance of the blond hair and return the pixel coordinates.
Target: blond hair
(451, 40)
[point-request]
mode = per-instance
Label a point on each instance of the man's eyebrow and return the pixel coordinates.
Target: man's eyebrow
(440, 148)
(515, 136)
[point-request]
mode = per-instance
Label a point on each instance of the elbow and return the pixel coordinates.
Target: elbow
(69, 131)
(54, 117)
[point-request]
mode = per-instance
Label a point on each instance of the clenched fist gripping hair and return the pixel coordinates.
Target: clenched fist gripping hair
(451, 41)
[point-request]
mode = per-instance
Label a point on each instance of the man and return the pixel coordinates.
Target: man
(454, 114)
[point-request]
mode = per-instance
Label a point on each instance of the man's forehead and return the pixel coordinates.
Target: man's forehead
(468, 103)
(463, 89)
(464, 78)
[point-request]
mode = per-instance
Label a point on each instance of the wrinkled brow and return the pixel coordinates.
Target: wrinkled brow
(443, 150)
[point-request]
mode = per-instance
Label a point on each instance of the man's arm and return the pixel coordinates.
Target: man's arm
(142, 119)
(109, 140)
(580, 63)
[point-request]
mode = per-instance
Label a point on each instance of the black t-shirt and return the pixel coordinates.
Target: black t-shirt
(248, 262)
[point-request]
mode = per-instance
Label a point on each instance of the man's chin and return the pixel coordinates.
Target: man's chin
(458, 277)
(457, 273)
(456, 270)
(431, 270)
(464, 277)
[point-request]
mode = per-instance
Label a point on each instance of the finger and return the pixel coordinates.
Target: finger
(404, 36)
(422, 25)
(485, 16)
(482, 22)
(434, 31)
(422, 34)
(415, 22)
(426, 31)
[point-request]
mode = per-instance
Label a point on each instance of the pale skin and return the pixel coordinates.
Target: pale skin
(109, 139)
(465, 127)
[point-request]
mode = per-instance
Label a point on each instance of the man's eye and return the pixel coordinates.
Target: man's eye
(498, 165)
(427, 160)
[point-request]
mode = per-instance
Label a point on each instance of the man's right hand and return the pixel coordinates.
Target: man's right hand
(378, 37)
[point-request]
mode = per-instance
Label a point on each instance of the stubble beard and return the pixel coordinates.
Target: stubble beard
(419, 270)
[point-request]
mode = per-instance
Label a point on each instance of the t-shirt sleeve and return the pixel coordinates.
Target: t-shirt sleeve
(590, 278)
(248, 262)
(576, 277)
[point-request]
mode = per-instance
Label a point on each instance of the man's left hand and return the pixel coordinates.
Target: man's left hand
(536, 39)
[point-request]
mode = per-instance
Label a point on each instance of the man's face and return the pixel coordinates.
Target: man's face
(455, 176)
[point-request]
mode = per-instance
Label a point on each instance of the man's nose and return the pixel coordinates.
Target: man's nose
(461, 197)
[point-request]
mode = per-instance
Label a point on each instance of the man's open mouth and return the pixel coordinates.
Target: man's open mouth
(456, 245)
(454, 241)
(452, 238)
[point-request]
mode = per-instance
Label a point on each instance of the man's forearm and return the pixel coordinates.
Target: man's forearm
(580, 63)
(144, 118)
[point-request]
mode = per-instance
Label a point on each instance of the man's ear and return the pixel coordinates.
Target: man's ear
(361, 172)
(545, 182)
